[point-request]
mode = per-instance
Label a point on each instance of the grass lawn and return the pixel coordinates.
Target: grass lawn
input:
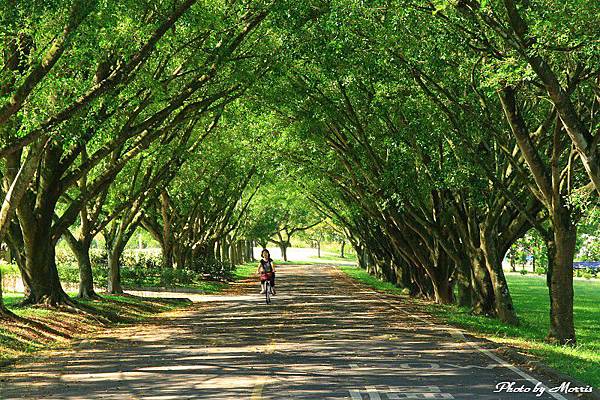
(530, 297)
(41, 328)
(244, 271)
(363, 276)
(326, 258)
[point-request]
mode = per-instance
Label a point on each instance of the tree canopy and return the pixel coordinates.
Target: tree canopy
(432, 136)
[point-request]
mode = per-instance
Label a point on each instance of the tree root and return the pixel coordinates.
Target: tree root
(89, 296)
(62, 302)
(7, 315)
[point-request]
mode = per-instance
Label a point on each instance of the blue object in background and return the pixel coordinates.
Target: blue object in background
(595, 265)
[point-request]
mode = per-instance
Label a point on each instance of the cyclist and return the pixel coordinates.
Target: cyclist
(266, 270)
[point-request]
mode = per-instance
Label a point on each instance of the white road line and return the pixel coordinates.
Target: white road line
(355, 394)
(456, 333)
(372, 392)
(414, 389)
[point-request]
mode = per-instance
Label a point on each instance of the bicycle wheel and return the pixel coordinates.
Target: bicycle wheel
(268, 292)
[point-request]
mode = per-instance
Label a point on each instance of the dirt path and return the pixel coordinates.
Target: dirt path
(322, 338)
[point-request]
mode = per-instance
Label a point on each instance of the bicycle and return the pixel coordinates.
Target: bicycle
(266, 278)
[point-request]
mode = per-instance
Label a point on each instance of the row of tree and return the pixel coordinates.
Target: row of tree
(434, 135)
(109, 121)
(438, 134)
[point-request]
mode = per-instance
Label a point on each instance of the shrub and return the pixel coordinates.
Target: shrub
(64, 255)
(587, 273)
(68, 271)
(541, 270)
(212, 268)
(523, 272)
(140, 260)
(144, 270)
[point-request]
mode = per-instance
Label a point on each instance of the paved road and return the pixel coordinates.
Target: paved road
(322, 338)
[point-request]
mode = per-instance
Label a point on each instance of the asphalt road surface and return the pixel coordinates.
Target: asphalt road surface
(323, 337)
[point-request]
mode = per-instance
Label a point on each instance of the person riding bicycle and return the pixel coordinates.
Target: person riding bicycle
(266, 270)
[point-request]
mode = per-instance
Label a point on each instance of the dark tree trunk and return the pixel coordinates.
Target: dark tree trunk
(464, 296)
(502, 299)
(114, 269)
(224, 250)
(250, 250)
(238, 253)
(442, 290)
(342, 248)
(318, 248)
(86, 275)
(81, 248)
(179, 256)
(562, 329)
(217, 250)
(440, 281)
(167, 255)
(42, 274)
(283, 246)
(233, 253)
(483, 292)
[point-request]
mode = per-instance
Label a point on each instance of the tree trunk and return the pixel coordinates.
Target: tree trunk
(217, 250)
(503, 305)
(283, 247)
(4, 313)
(239, 251)
(81, 249)
(483, 293)
(318, 248)
(167, 255)
(114, 268)
(232, 253)
(42, 274)
(342, 248)
(562, 329)
(250, 250)
(14, 240)
(438, 274)
(442, 291)
(86, 275)
(464, 296)
(225, 250)
(166, 242)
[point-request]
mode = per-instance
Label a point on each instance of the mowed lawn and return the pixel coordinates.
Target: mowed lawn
(530, 297)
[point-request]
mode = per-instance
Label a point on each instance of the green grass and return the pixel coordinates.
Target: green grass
(244, 271)
(43, 328)
(530, 298)
(349, 258)
(293, 262)
(363, 276)
(326, 258)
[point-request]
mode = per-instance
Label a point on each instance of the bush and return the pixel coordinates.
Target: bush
(68, 272)
(140, 260)
(144, 270)
(64, 256)
(212, 268)
(541, 270)
(587, 273)
(523, 272)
